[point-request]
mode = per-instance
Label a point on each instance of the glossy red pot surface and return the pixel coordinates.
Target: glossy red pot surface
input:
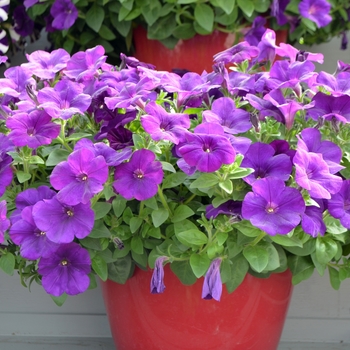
(250, 318)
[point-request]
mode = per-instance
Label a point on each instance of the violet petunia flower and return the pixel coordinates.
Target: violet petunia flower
(312, 221)
(23, 24)
(293, 54)
(233, 120)
(157, 280)
(273, 207)
(317, 11)
(231, 208)
(46, 65)
(33, 242)
(62, 222)
(212, 285)
(277, 11)
(312, 173)
(139, 178)
(64, 100)
(254, 34)
(66, 270)
(267, 47)
(261, 157)
(64, 14)
(33, 129)
(4, 221)
(208, 148)
(338, 85)
(237, 53)
(80, 177)
(339, 204)
(162, 125)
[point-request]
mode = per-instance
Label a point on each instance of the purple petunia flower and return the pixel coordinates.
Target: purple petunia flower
(237, 53)
(231, 207)
(23, 24)
(261, 157)
(267, 47)
(317, 11)
(30, 3)
(273, 207)
(45, 64)
(293, 54)
(338, 85)
(233, 120)
(33, 129)
(66, 270)
(139, 178)
(339, 204)
(4, 222)
(64, 100)
(157, 281)
(312, 220)
(207, 149)
(277, 11)
(64, 14)
(212, 285)
(253, 35)
(80, 177)
(33, 242)
(312, 173)
(162, 125)
(62, 222)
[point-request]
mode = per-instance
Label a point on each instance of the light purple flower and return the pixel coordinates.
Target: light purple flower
(162, 125)
(312, 173)
(62, 222)
(157, 281)
(4, 222)
(207, 149)
(293, 54)
(253, 35)
(80, 177)
(212, 285)
(33, 129)
(66, 270)
(139, 178)
(20, 78)
(237, 53)
(64, 14)
(317, 11)
(273, 207)
(267, 47)
(312, 221)
(338, 85)
(233, 120)
(64, 100)
(277, 11)
(339, 204)
(261, 157)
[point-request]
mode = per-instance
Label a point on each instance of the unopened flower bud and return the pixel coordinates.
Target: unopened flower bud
(118, 242)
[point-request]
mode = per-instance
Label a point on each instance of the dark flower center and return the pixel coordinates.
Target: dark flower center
(69, 212)
(82, 177)
(31, 131)
(138, 174)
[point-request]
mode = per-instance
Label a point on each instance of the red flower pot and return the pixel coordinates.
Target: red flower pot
(195, 54)
(252, 317)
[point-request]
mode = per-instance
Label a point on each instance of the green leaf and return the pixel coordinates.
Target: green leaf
(168, 167)
(159, 216)
(274, 260)
(199, 264)
(205, 181)
(183, 270)
(181, 213)
(59, 301)
(7, 263)
(333, 225)
(239, 269)
(239, 173)
(173, 180)
(135, 223)
(307, 249)
(137, 245)
(227, 186)
(192, 238)
(99, 230)
(321, 268)
(301, 266)
(257, 257)
(161, 29)
(309, 24)
(123, 27)
(140, 259)
(22, 176)
(247, 228)
(227, 6)
(119, 204)
(204, 15)
(57, 156)
(36, 160)
(151, 203)
(287, 241)
(120, 270)
(101, 209)
(94, 17)
(184, 31)
(154, 232)
(246, 6)
(326, 249)
(261, 5)
(151, 13)
(106, 33)
(100, 267)
(334, 277)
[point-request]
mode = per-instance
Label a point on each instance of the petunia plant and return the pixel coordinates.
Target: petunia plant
(241, 170)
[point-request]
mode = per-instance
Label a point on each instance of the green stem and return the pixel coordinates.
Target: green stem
(164, 202)
(189, 199)
(258, 238)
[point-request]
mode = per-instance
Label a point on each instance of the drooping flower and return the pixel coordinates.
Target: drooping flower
(231, 207)
(339, 204)
(267, 47)
(66, 270)
(157, 280)
(253, 35)
(277, 11)
(64, 14)
(4, 222)
(80, 177)
(33, 129)
(317, 11)
(162, 125)
(261, 157)
(139, 178)
(64, 100)
(312, 173)
(62, 222)
(212, 285)
(312, 220)
(207, 149)
(273, 207)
